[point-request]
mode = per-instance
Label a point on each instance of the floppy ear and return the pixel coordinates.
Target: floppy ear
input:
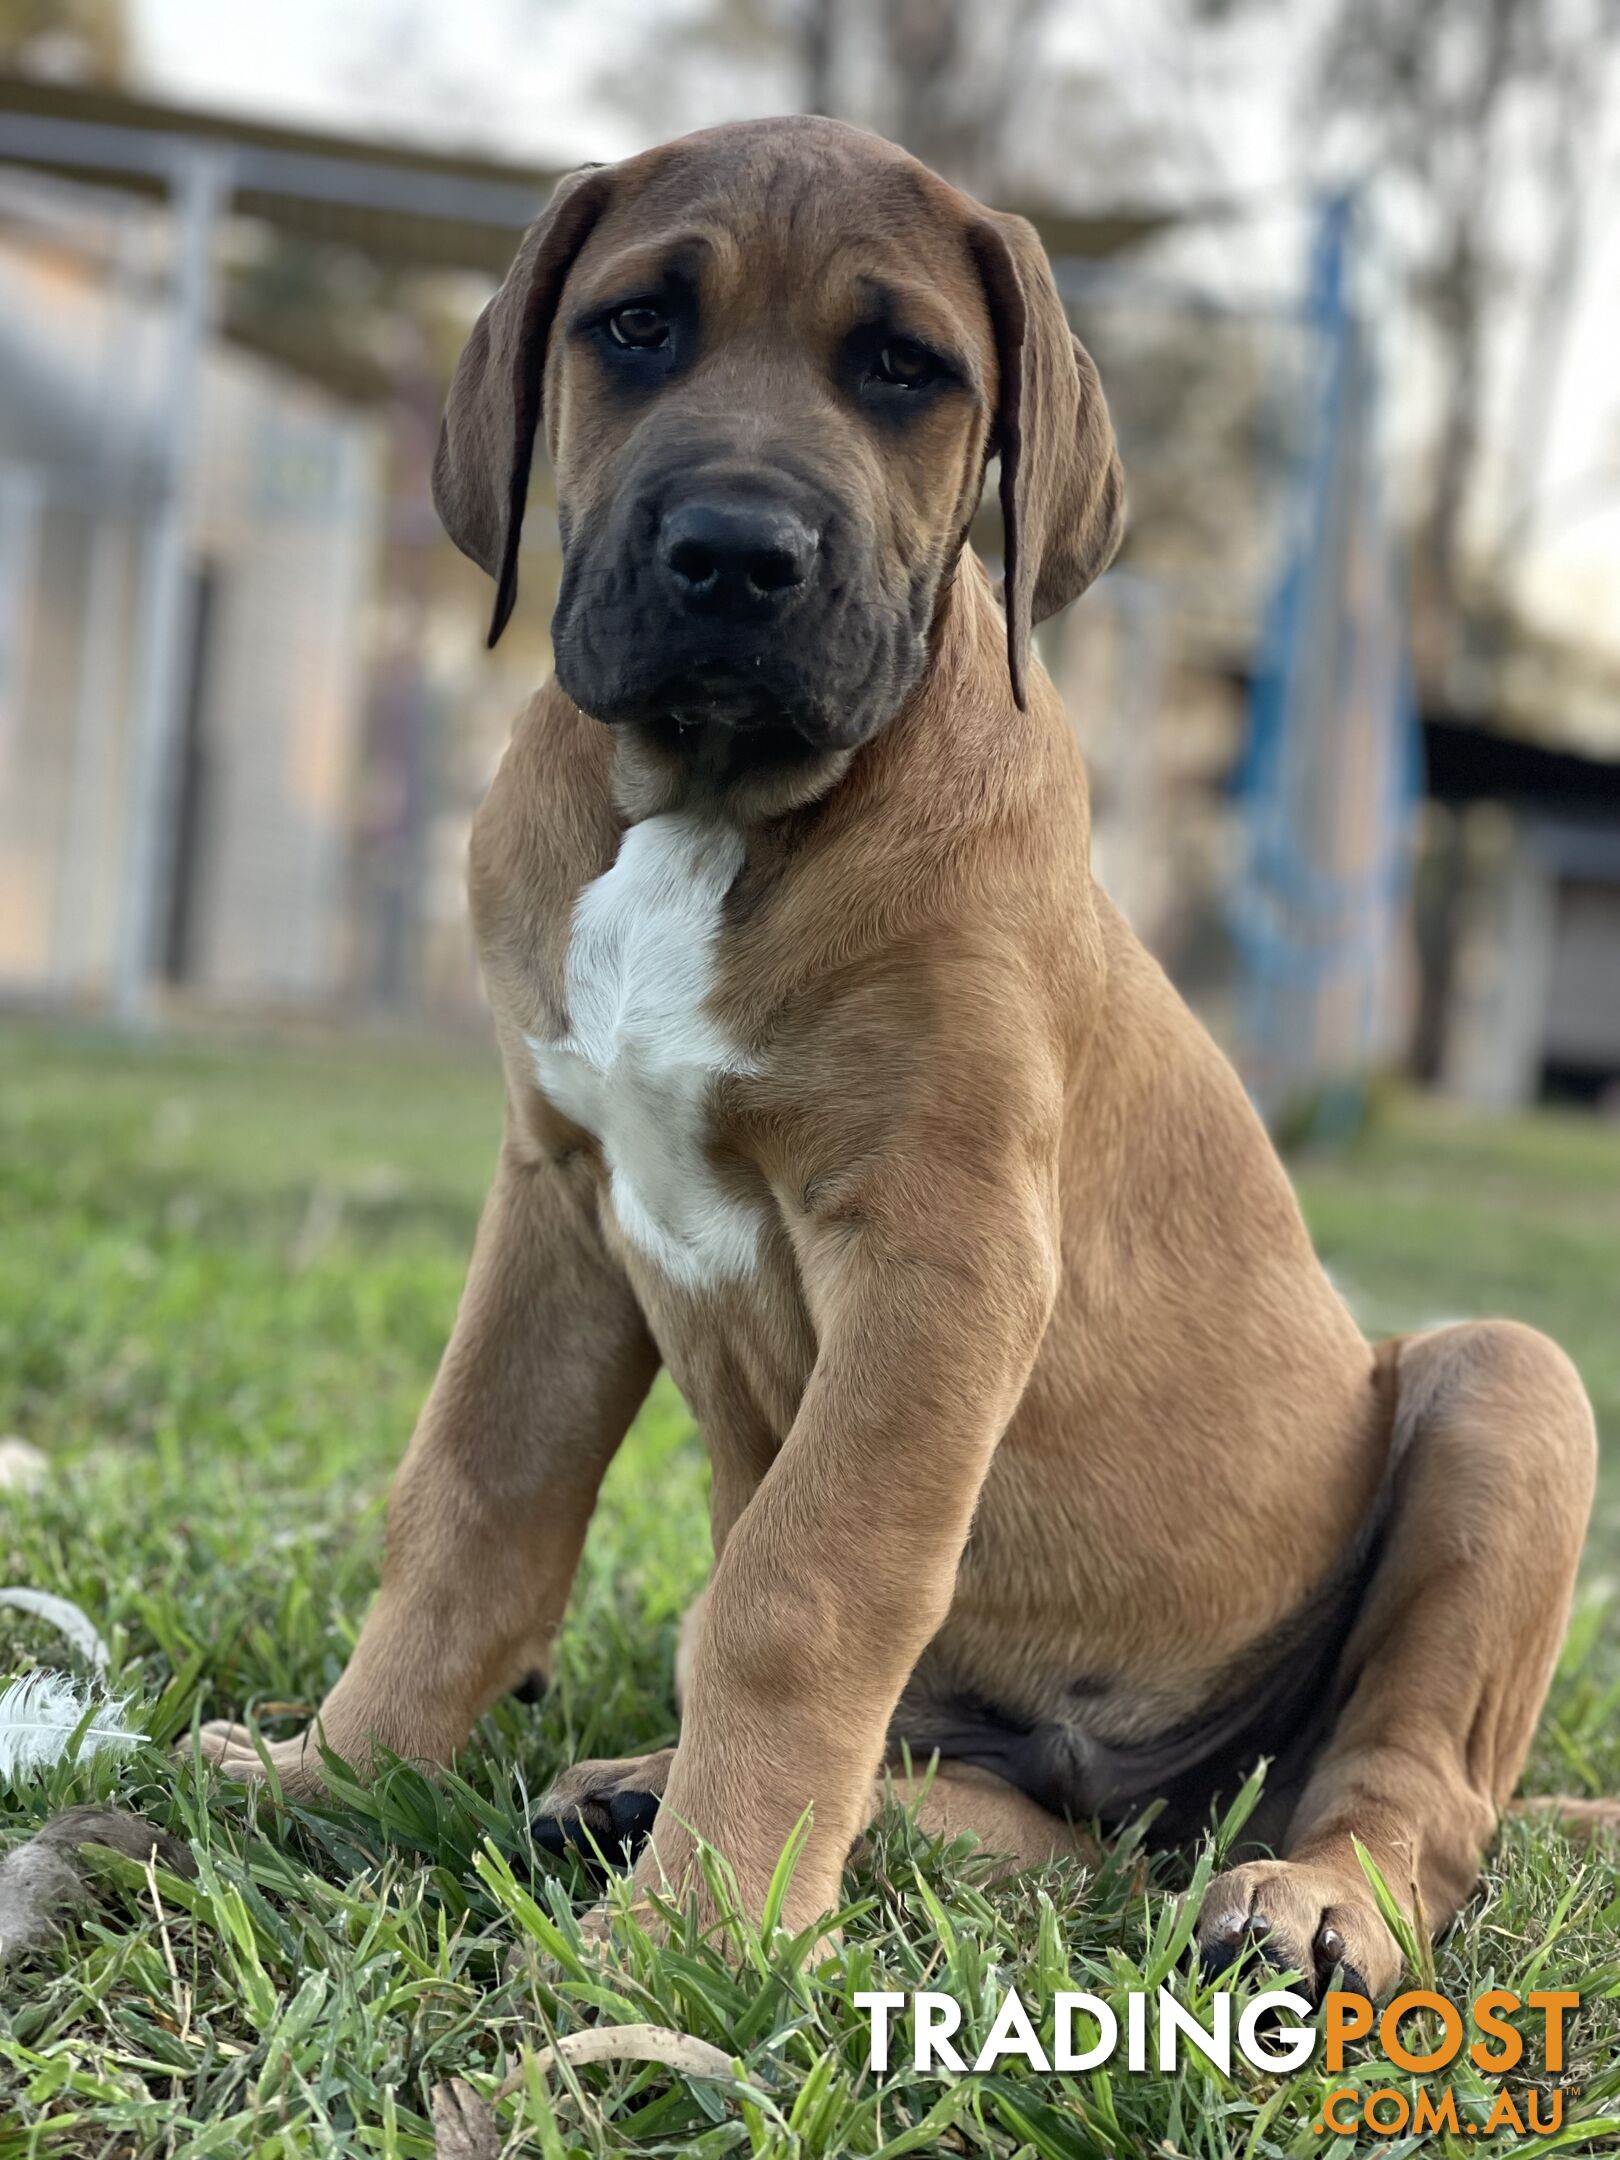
(486, 443)
(1062, 490)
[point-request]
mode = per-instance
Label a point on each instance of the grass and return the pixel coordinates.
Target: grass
(225, 1278)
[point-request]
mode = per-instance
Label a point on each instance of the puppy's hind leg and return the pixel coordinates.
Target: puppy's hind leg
(1444, 1672)
(957, 1799)
(606, 1810)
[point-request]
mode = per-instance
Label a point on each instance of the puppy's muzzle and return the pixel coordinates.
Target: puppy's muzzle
(734, 568)
(722, 600)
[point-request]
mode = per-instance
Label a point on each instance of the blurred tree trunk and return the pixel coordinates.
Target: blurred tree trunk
(1572, 142)
(954, 71)
(818, 36)
(1459, 293)
(1434, 94)
(68, 40)
(976, 88)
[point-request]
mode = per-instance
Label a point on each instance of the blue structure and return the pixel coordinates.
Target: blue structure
(1330, 780)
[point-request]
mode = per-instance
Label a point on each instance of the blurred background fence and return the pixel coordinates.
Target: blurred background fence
(1365, 803)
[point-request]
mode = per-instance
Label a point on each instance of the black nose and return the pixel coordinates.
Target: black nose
(720, 556)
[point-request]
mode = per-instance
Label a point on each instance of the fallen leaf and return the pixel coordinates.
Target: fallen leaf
(463, 2127)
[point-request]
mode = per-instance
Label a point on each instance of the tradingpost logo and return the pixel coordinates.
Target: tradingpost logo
(1274, 2031)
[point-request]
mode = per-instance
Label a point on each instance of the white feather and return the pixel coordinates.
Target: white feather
(70, 1621)
(39, 1715)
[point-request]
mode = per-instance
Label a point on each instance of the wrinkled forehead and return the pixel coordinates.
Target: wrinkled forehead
(792, 215)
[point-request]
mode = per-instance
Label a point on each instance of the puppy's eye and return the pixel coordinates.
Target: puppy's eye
(905, 365)
(641, 326)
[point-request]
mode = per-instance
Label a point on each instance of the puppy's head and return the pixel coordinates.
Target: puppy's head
(771, 362)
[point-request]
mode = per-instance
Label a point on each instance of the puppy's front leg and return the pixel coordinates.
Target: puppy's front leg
(843, 1564)
(547, 1365)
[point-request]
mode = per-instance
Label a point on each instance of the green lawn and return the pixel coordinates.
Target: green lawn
(225, 1278)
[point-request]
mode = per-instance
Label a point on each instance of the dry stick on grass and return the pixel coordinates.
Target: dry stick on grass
(464, 2128)
(70, 1621)
(177, 1987)
(627, 2043)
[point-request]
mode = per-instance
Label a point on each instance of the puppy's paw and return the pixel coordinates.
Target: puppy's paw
(231, 1747)
(1300, 1918)
(603, 1811)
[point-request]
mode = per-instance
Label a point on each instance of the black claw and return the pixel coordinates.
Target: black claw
(1234, 1937)
(559, 1834)
(1270, 1947)
(1354, 1982)
(1276, 1953)
(610, 1827)
(530, 1689)
(632, 1815)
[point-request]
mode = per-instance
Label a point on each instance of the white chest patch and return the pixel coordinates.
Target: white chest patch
(642, 1053)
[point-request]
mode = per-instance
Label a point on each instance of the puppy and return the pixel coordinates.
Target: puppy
(1040, 1440)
